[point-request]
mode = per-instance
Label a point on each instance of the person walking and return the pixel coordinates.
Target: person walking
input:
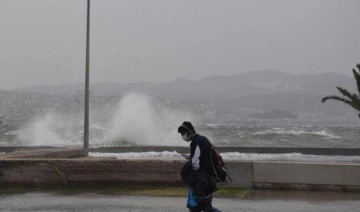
(203, 180)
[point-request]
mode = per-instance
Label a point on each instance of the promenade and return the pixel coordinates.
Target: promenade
(253, 201)
(298, 184)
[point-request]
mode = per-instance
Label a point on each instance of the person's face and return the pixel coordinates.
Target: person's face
(185, 136)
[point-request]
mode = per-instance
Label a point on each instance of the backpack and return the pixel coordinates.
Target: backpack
(186, 173)
(201, 182)
(219, 165)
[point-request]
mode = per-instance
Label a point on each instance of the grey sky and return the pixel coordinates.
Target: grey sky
(43, 41)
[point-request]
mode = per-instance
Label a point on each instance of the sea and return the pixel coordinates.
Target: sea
(284, 135)
(228, 135)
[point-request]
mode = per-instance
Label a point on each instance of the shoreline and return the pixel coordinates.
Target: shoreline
(117, 189)
(71, 167)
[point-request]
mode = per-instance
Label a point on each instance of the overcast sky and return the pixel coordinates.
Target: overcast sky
(43, 41)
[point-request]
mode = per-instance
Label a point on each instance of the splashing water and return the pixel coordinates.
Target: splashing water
(41, 132)
(136, 120)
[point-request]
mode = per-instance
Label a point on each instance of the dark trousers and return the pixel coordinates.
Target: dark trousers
(206, 206)
(204, 185)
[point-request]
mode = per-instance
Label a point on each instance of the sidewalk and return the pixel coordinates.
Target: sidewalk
(253, 201)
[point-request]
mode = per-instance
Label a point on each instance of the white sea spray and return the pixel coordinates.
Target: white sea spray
(234, 156)
(136, 120)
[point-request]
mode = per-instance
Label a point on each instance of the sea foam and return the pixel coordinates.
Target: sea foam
(234, 156)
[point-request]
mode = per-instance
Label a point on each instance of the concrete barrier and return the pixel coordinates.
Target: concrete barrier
(259, 150)
(35, 172)
(241, 174)
(306, 175)
(30, 171)
(185, 149)
(46, 153)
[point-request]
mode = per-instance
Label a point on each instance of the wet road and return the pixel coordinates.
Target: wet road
(253, 201)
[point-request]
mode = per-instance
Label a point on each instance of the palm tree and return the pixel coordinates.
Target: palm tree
(351, 99)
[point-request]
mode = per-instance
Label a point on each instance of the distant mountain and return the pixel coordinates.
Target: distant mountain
(275, 114)
(250, 83)
(258, 90)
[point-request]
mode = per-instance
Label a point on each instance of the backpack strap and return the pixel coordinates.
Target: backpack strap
(212, 163)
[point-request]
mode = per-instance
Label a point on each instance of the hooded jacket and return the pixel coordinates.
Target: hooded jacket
(200, 152)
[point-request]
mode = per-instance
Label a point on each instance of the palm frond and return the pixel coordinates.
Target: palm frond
(354, 102)
(351, 99)
(336, 98)
(357, 78)
(345, 92)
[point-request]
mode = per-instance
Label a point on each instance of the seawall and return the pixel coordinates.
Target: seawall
(69, 166)
(180, 149)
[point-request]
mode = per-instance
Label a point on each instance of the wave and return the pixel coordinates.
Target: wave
(288, 157)
(152, 154)
(15, 132)
(213, 125)
(234, 156)
(281, 131)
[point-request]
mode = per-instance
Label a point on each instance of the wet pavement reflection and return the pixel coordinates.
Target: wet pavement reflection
(251, 201)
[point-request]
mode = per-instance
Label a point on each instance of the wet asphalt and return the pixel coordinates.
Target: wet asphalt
(252, 201)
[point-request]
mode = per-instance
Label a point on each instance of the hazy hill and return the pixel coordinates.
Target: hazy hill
(258, 90)
(255, 82)
(275, 114)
